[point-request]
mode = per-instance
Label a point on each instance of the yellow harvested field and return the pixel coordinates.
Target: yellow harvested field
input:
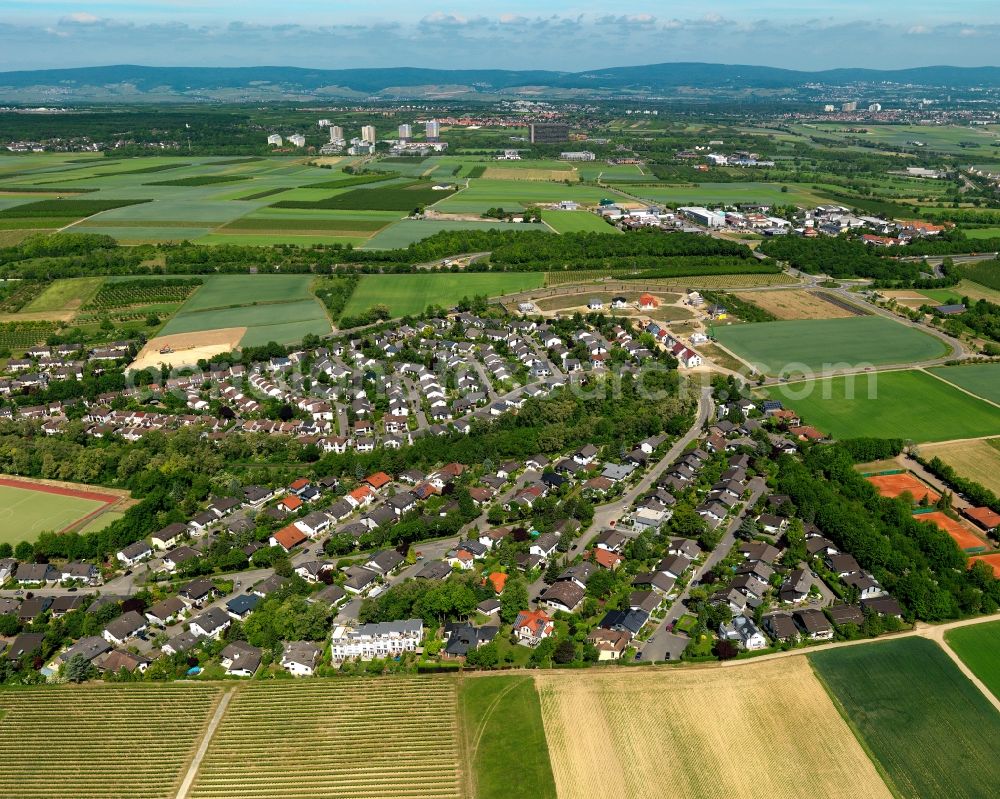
(502, 173)
(768, 731)
(974, 460)
(795, 304)
(187, 348)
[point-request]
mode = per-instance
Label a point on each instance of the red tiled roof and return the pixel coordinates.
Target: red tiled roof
(290, 536)
(292, 503)
(378, 479)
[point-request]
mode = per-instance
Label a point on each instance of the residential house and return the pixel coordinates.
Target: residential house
(124, 628)
(240, 659)
(210, 624)
(300, 658)
(370, 641)
(531, 627)
(744, 632)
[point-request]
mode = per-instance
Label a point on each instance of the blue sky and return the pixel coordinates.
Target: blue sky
(551, 34)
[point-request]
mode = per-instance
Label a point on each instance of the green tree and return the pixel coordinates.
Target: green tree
(513, 600)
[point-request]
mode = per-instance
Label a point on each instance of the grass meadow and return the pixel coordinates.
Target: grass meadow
(808, 345)
(502, 719)
(906, 404)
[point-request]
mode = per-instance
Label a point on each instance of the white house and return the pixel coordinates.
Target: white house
(369, 641)
(744, 632)
(300, 658)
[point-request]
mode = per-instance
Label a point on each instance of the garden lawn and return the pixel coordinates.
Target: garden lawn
(25, 513)
(502, 718)
(411, 294)
(814, 345)
(908, 405)
(978, 645)
(982, 379)
(577, 222)
(928, 728)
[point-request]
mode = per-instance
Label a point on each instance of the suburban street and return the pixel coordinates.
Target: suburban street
(663, 644)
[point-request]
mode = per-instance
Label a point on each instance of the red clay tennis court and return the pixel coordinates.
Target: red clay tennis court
(991, 560)
(893, 485)
(964, 537)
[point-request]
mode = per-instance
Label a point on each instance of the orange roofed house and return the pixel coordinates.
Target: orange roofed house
(533, 626)
(290, 503)
(648, 302)
(378, 480)
(498, 580)
(288, 538)
(361, 496)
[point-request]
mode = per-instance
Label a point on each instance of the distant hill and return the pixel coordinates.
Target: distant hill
(129, 82)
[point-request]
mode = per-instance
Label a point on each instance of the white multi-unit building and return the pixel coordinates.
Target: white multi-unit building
(577, 155)
(297, 139)
(368, 134)
(405, 132)
(274, 140)
(432, 129)
(336, 133)
(369, 641)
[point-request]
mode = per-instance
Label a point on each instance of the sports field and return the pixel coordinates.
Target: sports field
(894, 485)
(907, 404)
(931, 731)
(763, 730)
(816, 345)
(973, 460)
(27, 511)
(978, 645)
(577, 222)
(982, 379)
(411, 294)
(959, 532)
(271, 307)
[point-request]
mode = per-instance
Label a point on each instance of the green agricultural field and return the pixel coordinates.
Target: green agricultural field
(982, 232)
(728, 193)
(802, 345)
(982, 379)
(411, 294)
(394, 737)
(408, 231)
(928, 728)
(502, 718)
(978, 645)
(25, 513)
(272, 307)
(402, 197)
(908, 405)
(577, 222)
(483, 194)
